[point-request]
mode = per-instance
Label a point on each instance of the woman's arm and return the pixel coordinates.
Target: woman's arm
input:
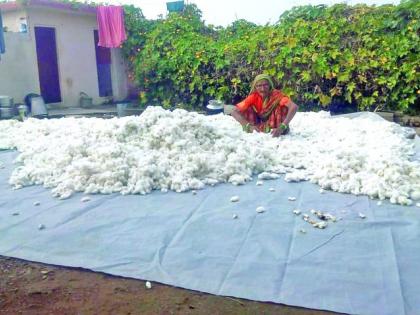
(292, 109)
(291, 112)
(241, 119)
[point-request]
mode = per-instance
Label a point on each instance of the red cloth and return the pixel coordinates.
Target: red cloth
(111, 26)
(271, 114)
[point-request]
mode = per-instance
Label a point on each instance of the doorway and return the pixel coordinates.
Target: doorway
(46, 51)
(103, 66)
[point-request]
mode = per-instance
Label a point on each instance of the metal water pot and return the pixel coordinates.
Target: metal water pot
(214, 107)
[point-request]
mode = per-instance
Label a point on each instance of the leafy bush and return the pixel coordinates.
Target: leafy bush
(361, 56)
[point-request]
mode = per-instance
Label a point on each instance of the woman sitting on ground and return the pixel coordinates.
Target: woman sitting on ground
(265, 109)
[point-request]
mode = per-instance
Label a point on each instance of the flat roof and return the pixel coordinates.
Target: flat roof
(52, 4)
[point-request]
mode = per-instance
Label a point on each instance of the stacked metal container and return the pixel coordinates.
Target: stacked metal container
(7, 108)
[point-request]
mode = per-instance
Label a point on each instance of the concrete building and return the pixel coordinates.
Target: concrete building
(51, 50)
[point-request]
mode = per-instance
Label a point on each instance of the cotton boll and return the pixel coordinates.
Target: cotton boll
(393, 200)
(415, 194)
(234, 199)
(402, 200)
(267, 175)
(320, 225)
(260, 209)
(295, 176)
(237, 179)
(85, 199)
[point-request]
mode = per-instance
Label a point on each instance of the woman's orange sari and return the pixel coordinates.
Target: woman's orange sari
(265, 115)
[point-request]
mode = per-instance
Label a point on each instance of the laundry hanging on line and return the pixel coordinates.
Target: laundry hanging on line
(111, 28)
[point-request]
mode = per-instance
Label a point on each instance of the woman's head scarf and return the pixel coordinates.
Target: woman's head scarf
(261, 77)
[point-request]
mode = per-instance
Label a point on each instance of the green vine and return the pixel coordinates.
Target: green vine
(361, 55)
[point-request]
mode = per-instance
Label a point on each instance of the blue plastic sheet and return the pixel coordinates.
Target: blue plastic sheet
(356, 266)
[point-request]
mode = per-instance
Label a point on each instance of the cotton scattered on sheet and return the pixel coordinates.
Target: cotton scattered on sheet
(260, 209)
(85, 199)
(183, 151)
(234, 199)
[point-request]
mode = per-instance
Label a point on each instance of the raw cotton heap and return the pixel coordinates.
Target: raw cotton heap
(180, 151)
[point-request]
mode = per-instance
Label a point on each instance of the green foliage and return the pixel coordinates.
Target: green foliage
(362, 55)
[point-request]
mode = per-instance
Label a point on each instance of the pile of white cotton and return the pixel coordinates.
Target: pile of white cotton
(180, 150)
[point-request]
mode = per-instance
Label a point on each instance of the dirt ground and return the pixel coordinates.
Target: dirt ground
(33, 288)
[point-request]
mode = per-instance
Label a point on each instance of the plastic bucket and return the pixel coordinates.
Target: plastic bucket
(38, 107)
(121, 109)
(85, 101)
(214, 107)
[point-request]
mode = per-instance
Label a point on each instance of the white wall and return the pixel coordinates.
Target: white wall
(12, 20)
(119, 74)
(76, 56)
(18, 67)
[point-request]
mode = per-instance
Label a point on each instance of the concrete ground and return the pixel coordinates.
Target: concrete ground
(104, 111)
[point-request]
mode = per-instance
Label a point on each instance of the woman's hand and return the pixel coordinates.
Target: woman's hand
(254, 128)
(276, 132)
(249, 128)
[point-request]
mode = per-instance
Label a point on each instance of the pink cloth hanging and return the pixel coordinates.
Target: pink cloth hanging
(111, 26)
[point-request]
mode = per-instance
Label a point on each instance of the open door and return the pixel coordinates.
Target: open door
(46, 51)
(103, 66)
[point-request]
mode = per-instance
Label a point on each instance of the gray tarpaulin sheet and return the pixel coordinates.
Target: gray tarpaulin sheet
(356, 266)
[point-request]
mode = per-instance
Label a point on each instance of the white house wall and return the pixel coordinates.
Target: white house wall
(76, 53)
(119, 74)
(18, 67)
(75, 56)
(12, 20)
